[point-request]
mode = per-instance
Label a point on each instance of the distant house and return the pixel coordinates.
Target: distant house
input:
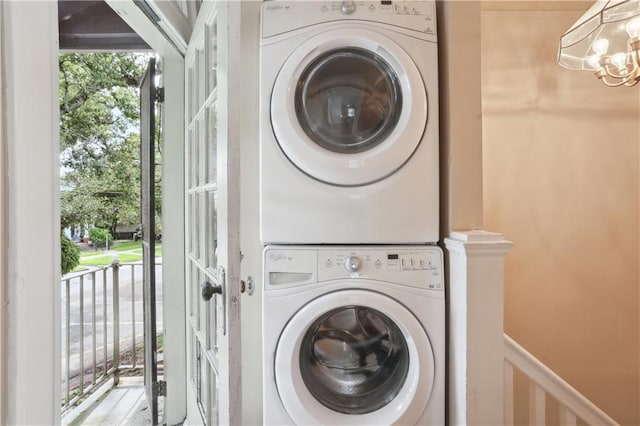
(126, 232)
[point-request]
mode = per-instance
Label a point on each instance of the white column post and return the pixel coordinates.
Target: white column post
(31, 201)
(4, 388)
(475, 301)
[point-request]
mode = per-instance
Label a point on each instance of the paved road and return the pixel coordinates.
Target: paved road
(81, 287)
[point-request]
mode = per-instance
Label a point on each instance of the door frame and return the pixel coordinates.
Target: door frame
(29, 184)
(173, 265)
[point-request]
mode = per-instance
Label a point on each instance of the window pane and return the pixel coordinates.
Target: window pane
(211, 146)
(205, 306)
(214, 391)
(195, 286)
(193, 157)
(213, 324)
(193, 370)
(212, 230)
(201, 252)
(212, 56)
(191, 89)
(201, 379)
(201, 76)
(198, 163)
(193, 294)
(193, 221)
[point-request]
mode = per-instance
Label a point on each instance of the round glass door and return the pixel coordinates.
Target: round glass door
(349, 106)
(348, 100)
(354, 357)
(354, 360)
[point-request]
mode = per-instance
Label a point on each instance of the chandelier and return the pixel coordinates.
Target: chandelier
(605, 41)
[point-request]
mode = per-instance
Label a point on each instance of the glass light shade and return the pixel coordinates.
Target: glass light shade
(594, 62)
(633, 28)
(606, 19)
(600, 46)
(619, 60)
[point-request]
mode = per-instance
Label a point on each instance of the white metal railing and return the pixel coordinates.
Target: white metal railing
(93, 305)
(542, 381)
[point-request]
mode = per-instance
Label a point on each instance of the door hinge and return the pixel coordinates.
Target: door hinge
(158, 95)
(160, 388)
(250, 285)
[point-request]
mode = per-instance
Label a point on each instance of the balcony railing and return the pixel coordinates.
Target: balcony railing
(100, 337)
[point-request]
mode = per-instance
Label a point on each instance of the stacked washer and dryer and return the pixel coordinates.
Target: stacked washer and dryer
(353, 285)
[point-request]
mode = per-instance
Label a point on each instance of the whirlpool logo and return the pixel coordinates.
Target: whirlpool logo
(279, 257)
(274, 7)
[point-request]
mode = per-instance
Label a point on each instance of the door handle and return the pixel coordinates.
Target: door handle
(207, 290)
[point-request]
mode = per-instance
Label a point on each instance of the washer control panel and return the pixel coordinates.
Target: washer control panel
(384, 7)
(281, 16)
(417, 267)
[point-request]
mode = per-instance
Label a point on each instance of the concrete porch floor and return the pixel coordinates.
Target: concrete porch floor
(124, 404)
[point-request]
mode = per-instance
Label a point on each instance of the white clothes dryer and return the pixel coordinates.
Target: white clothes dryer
(349, 122)
(353, 335)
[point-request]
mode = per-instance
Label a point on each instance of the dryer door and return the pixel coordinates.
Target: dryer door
(349, 107)
(354, 357)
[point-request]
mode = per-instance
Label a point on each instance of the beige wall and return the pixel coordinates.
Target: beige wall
(561, 180)
(460, 116)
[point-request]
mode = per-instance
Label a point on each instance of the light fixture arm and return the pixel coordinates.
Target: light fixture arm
(629, 81)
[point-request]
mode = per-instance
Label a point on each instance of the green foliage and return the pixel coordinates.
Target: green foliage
(70, 255)
(98, 236)
(105, 195)
(99, 138)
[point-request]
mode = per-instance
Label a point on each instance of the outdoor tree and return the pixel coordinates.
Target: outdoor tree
(70, 255)
(99, 138)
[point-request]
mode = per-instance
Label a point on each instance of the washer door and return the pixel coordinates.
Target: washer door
(354, 357)
(349, 107)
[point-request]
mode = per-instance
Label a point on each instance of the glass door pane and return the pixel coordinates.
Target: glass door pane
(354, 359)
(348, 100)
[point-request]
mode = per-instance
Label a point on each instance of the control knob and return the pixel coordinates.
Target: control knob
(352, 264)
(348, 7)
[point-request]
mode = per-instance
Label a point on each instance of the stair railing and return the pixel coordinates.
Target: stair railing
(542, 381)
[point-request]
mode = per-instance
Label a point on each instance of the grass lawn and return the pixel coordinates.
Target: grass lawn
(127, 251)
(126, 245)
(105, 259)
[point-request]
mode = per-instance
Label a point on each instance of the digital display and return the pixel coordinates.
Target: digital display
(392, 256)
(386, 2)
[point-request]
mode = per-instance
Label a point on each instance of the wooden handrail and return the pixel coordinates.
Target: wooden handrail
(554, 385)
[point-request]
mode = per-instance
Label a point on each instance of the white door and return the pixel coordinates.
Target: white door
(213, 216)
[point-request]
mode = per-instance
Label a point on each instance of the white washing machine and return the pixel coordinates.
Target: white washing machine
(353, 335)
(349, 122)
